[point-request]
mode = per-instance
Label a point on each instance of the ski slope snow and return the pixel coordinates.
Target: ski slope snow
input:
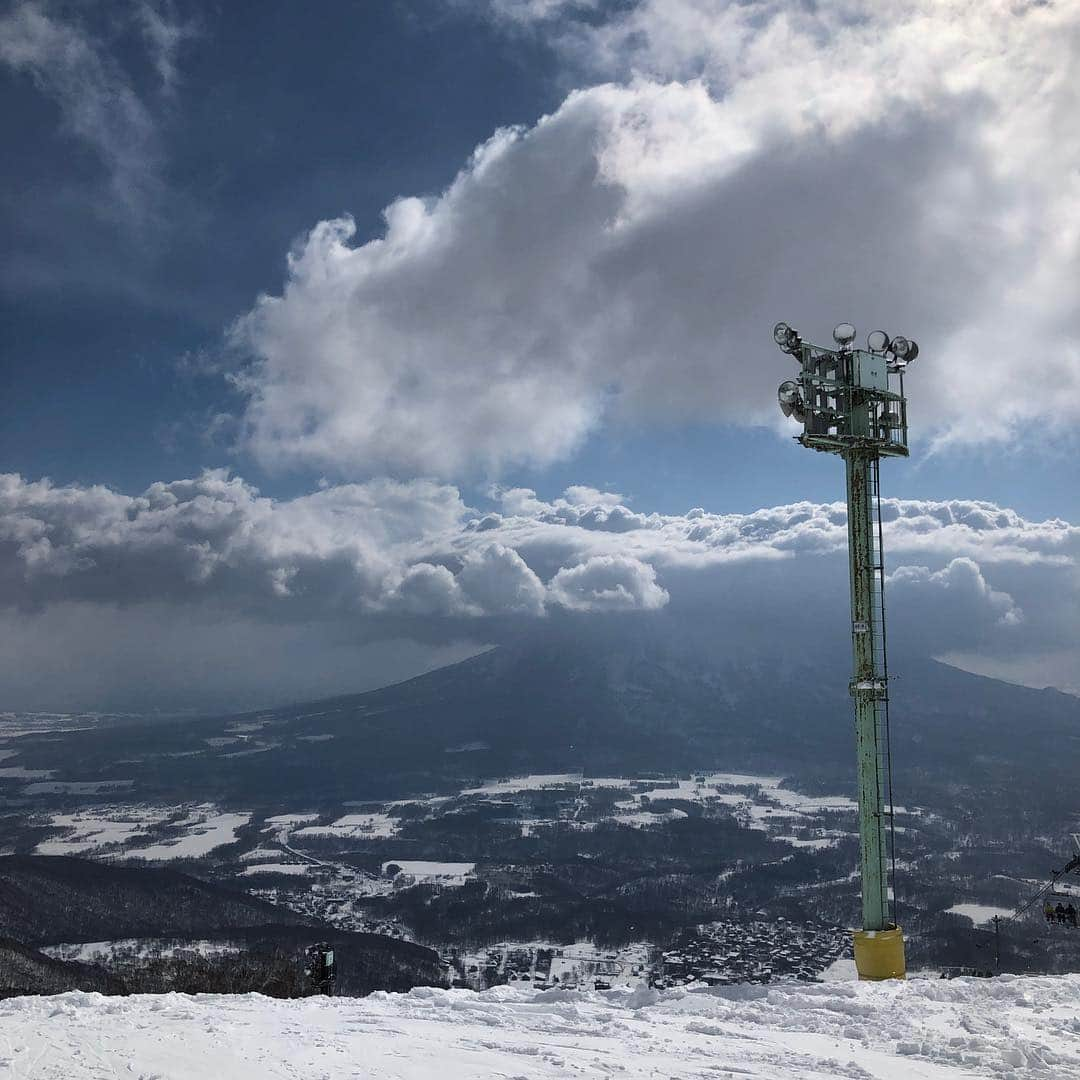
(1009, 1027)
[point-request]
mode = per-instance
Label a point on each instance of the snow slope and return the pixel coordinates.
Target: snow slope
(1022, 1028)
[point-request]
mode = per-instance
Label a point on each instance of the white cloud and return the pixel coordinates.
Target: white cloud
(342, 548)
(607, 583)
(165, 36)
(388, 559)
(362, 547)
(425, 589)
(528, 12)
(583, 495)
(98, 100)
(625, 257)
(492, 580)
(968, 597)
(382, 546)
(497, 579)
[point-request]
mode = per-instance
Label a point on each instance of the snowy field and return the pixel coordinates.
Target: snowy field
(979, 914)
(354, 827)
(88, 831)
(1021, 1029)
(117, 830)
(96, 952)
(291, 869)
(206, 831)
(757, 802)
(433, 873)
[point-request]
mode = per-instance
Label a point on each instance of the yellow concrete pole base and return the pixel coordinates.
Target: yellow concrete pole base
(879, 954)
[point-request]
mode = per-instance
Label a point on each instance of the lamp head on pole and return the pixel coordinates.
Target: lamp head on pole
(845, 396)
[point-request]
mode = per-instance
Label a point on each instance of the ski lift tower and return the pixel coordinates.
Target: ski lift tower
(851, 402)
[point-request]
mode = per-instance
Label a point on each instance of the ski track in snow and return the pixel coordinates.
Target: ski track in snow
(1009, 1027)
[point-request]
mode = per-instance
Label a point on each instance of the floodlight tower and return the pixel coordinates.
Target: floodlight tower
(851, 402)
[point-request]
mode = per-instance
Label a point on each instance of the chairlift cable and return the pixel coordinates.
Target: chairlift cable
(1072, 864)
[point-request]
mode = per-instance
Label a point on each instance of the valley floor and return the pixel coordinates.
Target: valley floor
(929, 1029)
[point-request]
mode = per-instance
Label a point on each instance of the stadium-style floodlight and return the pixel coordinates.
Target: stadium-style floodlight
(843, 334)
(851, 402)
(787, 338)
(904, 350)
(790, 397)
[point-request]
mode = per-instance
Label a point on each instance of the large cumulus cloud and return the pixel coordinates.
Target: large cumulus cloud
(357, 564)
(624, 257)
(366, 548)
(381, 547)
(609, 583)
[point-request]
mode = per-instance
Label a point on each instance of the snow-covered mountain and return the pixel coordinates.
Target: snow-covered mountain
(1008, 1027)
(602, 697)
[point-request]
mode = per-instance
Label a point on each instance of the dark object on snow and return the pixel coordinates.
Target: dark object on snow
(320, 970)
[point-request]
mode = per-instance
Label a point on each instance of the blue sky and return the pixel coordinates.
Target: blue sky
(261, 139)
(534, 245)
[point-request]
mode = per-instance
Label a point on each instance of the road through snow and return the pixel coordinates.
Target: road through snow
(1022, 1028)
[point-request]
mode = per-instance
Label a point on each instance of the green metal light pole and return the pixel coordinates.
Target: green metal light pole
(868, 684)
(851, 402)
